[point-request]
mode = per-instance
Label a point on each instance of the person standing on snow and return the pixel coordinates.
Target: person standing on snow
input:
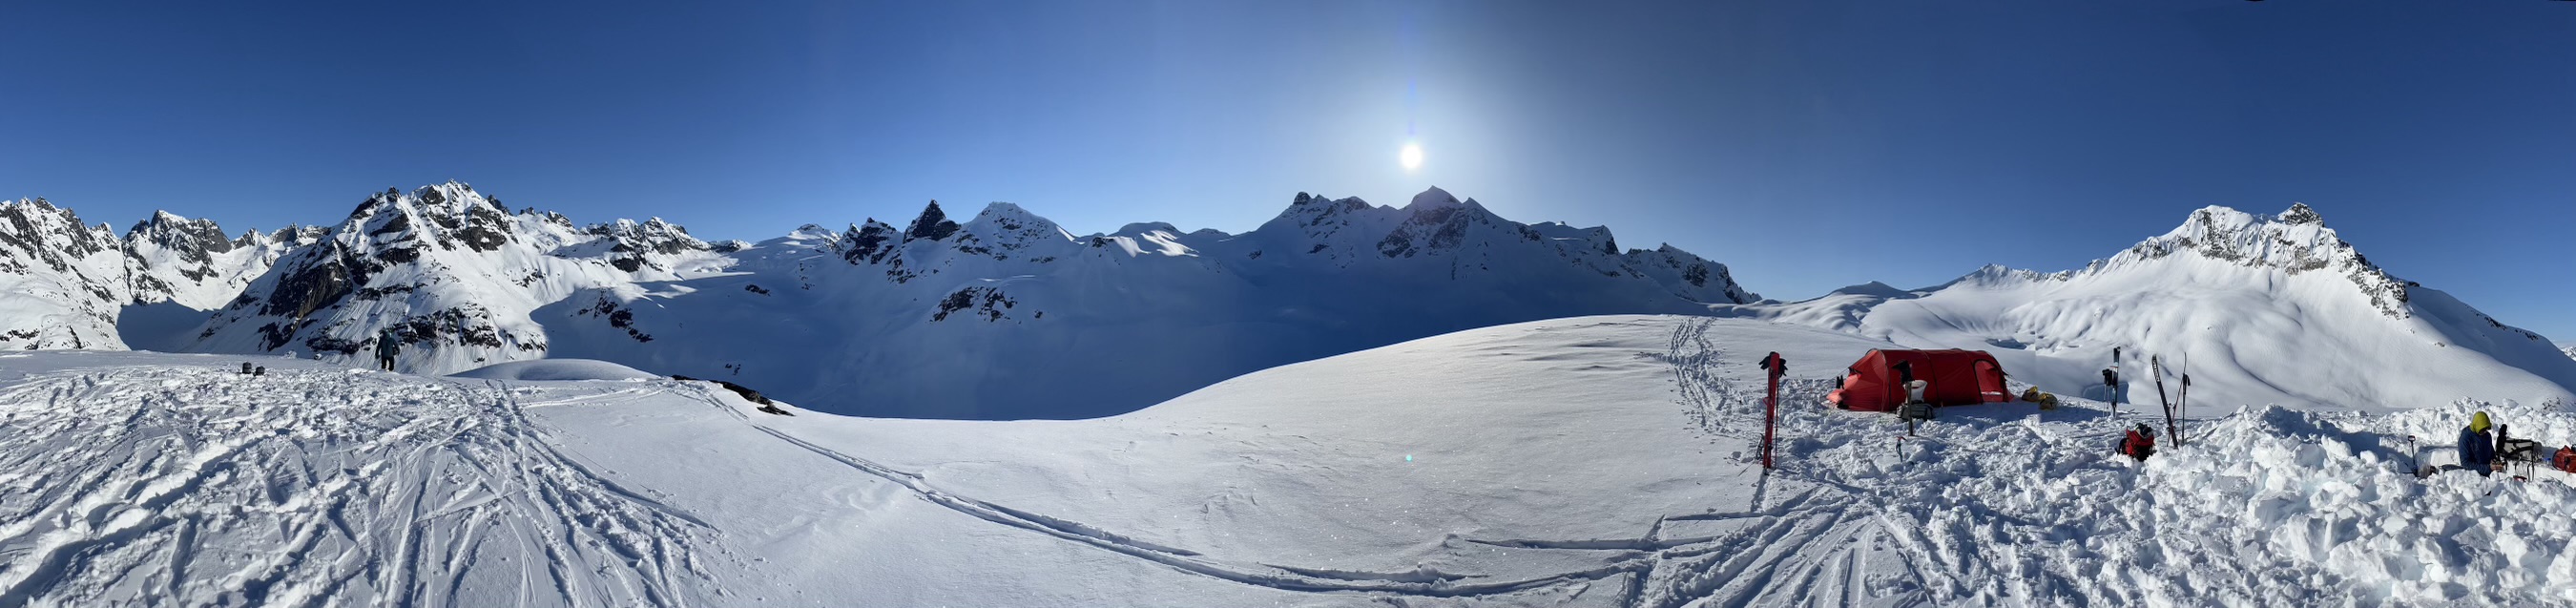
(2140, 443)
(386, 347)
(2477, 449)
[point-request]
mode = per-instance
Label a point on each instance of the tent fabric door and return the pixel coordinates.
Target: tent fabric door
(1990, 383)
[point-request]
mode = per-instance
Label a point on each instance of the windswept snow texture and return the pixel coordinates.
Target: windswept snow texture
(2258, 309)
(1599, 461)
(164, 480)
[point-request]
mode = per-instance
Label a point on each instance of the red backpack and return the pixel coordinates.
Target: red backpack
(2137, 445)
(2565, 460)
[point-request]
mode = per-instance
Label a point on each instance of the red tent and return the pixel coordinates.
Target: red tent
(1953, 377)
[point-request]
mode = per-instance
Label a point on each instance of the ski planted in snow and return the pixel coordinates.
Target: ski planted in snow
(2156, 368)
(2182, 402)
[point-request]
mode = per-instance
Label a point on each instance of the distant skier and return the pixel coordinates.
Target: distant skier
(2477, 448)
(2140, 443)
(386, 347)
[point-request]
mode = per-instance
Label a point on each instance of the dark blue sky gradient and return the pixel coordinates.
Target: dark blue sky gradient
(1807, 144)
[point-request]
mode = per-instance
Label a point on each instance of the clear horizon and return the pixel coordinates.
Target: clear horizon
(1806, 146)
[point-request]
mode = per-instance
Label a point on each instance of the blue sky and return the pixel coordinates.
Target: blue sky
(1807, 144)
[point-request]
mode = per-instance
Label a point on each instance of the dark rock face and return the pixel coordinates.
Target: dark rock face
(933, 224)
(868, 244)
(985, 302)
(307, 289)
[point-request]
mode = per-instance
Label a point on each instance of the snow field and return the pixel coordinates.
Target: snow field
(1594, 461)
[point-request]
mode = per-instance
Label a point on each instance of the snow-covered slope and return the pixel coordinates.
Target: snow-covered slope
(1602, 461)
(61, 282)
(1008, 315)
(451, 272)
(2264, 309)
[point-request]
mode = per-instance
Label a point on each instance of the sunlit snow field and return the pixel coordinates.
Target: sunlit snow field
(1599, 461)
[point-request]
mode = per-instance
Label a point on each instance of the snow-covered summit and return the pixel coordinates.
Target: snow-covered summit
(2296, 241)
(171, 258)
(2296, 314)
(449, 271)
(61, 281)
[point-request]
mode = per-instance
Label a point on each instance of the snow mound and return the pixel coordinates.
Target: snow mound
(557, 369)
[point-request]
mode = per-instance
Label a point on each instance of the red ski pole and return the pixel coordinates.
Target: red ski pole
(1771, 403)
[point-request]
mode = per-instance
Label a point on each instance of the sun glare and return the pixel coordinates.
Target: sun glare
(1411, 156)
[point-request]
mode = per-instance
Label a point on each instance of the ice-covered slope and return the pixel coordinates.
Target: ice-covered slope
(61, 282)
(1008, 315)
(1599, 461)
(2265, 309)
(451, 272)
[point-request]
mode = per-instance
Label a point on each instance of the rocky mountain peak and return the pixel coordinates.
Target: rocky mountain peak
(632, 244)
(933, 224)
(199, 237)
(66, 278)
(868, 243)
(2295, 242)
(37, 231)
(1433, 198)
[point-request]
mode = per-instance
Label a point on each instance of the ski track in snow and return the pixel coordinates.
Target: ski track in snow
(137, 484)
(1769, 561)
(422, 494)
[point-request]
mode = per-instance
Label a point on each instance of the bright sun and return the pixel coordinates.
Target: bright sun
(1411, 156)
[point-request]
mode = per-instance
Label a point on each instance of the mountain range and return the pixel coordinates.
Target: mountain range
(1008, 315)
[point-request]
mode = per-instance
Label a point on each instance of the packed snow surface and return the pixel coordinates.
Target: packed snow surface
(556, 369)
(1597, 461)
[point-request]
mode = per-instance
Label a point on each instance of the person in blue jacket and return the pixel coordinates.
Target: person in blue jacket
(2477, 448)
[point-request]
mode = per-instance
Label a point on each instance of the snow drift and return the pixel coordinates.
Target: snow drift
(556, 369)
